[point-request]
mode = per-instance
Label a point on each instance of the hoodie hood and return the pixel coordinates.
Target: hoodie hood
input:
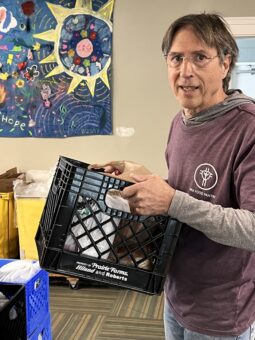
(234, 99)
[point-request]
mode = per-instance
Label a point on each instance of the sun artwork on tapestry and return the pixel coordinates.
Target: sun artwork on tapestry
(55, 68)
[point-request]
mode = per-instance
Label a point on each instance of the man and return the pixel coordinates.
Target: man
(210, 288)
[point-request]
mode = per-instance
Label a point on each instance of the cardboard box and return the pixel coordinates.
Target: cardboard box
(7, 179)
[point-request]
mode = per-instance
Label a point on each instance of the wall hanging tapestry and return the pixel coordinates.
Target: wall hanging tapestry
(55, 68)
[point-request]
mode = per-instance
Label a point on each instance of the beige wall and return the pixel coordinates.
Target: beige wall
(141, 98)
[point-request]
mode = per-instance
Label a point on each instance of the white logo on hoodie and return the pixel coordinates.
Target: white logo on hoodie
(205, 176)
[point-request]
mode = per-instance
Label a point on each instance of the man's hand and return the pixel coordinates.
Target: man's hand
(113, 167)
(151, 195)
(123, 169)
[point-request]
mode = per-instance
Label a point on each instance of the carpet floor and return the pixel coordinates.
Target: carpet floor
(104, 313)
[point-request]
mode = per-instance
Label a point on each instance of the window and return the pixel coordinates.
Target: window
(243, 76)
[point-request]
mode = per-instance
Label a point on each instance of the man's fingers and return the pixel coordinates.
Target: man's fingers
(129, 192)
(140, 178)
(108, 168)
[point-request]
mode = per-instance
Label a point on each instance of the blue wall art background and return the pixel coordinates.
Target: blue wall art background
(55, 68)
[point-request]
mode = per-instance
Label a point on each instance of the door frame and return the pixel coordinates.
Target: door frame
(241, 26)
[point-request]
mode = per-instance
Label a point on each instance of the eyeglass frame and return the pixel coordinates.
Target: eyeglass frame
(189, 58)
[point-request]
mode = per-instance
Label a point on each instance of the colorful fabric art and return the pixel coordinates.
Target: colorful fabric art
(55, 68)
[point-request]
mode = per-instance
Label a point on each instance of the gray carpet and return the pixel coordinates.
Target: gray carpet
(104, 313)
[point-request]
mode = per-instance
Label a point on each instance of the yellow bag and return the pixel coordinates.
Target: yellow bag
(9, 244)
(28, 214)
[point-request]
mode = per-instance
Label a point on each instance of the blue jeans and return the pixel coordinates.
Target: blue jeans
(174, 331)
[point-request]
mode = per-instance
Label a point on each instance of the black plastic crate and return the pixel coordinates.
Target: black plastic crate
(13, 312)
(80, 235)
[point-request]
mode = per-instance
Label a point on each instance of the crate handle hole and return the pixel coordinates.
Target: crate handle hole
(37, 284)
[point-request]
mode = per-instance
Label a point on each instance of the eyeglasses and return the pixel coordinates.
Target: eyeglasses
(198, 60)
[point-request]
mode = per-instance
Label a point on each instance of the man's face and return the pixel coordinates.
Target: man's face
(196, 88)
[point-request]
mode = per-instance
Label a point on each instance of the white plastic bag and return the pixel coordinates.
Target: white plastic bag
(19, 271)
(113, 200)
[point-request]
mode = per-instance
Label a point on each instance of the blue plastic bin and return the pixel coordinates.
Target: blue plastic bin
(43, 332)
(36, 299)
